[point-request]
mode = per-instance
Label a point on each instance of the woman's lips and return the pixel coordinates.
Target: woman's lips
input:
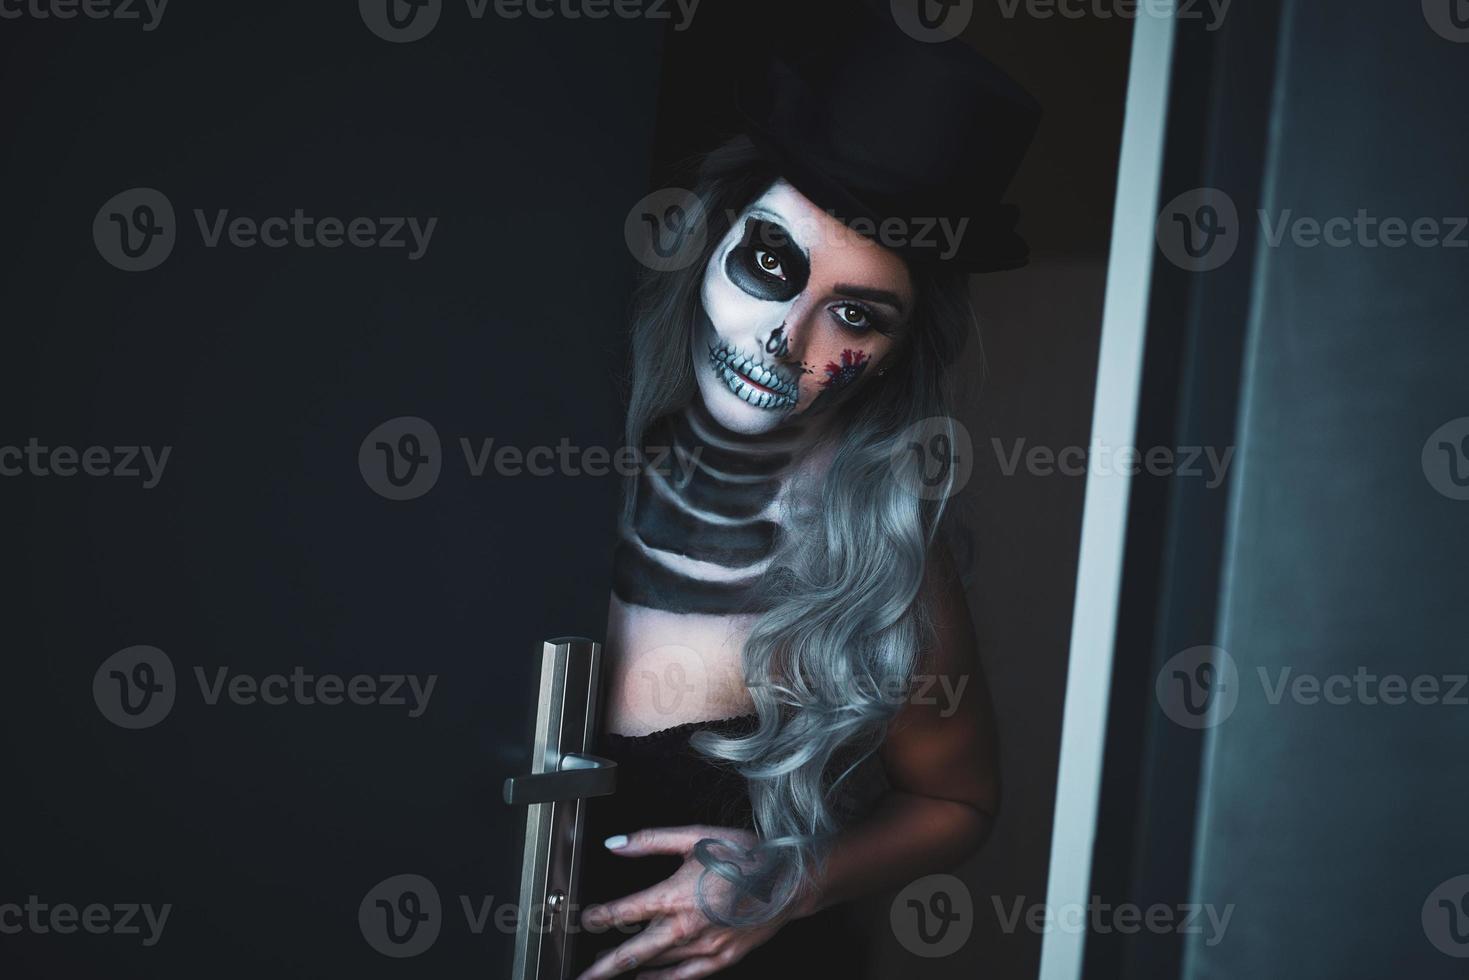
(752, 381)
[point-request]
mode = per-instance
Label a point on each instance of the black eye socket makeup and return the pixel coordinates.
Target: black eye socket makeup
(766, 263)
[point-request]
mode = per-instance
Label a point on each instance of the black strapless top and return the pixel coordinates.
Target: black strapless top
(663, 782)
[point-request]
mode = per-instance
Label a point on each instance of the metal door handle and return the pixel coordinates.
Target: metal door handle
(579, 777)
(562, 775)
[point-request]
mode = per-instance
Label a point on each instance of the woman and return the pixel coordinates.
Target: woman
(780, 596)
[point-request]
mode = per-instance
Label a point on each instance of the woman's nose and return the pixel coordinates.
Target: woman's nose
(778, 343)
(788, 341)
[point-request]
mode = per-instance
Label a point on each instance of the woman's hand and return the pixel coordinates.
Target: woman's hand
(679, 942)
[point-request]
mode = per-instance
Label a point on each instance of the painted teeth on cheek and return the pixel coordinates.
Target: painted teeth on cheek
(729, 365)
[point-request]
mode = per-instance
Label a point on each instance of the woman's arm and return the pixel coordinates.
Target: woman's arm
(940, 756)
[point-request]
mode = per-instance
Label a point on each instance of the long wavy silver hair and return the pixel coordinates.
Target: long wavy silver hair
(844, 616)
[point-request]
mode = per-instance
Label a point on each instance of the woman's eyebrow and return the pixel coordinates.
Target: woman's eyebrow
(770, 217)
(872, 295)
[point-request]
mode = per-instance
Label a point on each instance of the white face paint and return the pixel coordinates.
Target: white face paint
(798, 309)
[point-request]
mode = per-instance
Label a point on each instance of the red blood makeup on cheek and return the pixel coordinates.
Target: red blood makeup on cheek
(849, 369)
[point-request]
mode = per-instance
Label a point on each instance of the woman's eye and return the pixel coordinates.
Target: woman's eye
(853, 316)
(769, 263)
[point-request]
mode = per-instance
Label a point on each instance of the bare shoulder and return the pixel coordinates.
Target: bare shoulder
(953, 647)
(942, 742)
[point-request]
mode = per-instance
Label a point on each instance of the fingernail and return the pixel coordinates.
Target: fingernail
(615, 843)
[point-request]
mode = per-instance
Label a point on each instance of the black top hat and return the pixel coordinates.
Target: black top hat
(872, 125)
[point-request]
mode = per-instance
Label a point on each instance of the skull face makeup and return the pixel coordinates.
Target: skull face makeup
(798, 312)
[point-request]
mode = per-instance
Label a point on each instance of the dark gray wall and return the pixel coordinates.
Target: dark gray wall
(1328, 826)
(264, 548)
